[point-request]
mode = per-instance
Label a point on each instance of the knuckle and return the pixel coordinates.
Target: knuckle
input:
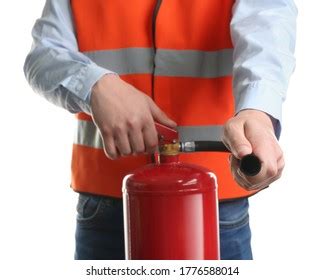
(106, 131)
(147, 98)
(230, 125)
(148, 122)
(272, 171)
(226, 131)
(133, 123)
(276, 146)
(118, 129)
(152, 143)
(229, 128)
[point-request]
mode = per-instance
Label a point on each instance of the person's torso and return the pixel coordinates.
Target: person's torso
(177, 52)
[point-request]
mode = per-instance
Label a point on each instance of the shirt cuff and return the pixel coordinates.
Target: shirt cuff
(81, 84)
(261, 96)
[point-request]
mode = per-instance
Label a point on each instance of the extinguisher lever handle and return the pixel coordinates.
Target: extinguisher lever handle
(166, 134)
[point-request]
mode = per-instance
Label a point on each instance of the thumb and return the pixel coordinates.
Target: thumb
(234, 138)
(159, 116)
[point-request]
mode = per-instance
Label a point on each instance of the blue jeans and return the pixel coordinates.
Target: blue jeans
(99, 232)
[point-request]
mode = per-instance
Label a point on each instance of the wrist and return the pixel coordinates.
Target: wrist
(103, 86)
(108, 80)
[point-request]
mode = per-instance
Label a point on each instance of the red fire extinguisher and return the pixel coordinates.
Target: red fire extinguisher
(170, 207)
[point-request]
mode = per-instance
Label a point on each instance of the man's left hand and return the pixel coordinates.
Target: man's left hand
(251, 131)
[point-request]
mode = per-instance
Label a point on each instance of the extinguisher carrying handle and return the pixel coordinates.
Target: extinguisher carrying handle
(250, 165)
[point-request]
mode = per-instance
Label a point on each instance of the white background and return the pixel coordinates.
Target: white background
(37, 207)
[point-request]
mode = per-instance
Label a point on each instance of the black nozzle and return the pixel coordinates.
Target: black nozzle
(250, 165)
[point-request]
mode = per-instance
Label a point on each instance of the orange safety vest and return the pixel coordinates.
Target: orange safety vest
(177, 52)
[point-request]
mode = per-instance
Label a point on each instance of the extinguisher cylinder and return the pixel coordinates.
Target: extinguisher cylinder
(171, 212)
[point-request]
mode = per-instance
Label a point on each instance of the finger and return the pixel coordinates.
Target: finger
(240, 180)
(234, 162)
(267, 155)
(109, 148)
(248, 184)
(121, 141)
(243, 180)
(265, 146)
(159, 115)
(266, 183)
(254, 185)
(150, 137)
(234, 170)
(281, 164)
(261, 179)
(237, 175)
(136, 141)
(235, 139)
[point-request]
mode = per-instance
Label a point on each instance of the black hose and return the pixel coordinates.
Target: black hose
(250, 165)
(210, 146)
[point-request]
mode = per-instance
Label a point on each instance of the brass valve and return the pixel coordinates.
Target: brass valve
(171, 149)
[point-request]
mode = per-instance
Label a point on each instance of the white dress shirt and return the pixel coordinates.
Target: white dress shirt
(263, 35)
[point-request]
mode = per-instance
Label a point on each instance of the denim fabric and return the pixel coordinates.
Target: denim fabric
(235, 233)
(99, 232)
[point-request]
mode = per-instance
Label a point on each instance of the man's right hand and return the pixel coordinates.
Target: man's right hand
(125, 117)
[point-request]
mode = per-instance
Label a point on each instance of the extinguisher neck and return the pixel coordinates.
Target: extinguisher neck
(169, 153)
(168, 159)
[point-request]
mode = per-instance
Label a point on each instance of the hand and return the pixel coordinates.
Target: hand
(125, 117)
(251, 131)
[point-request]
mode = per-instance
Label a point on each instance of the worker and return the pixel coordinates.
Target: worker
(203, 67)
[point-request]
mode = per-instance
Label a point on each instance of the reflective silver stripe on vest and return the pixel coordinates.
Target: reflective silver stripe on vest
(200, 133)
(173, 63)
(124, 61)
(88, 134)
(190, 63)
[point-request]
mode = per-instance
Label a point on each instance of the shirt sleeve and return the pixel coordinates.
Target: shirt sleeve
(263, 34)
(54, 67)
